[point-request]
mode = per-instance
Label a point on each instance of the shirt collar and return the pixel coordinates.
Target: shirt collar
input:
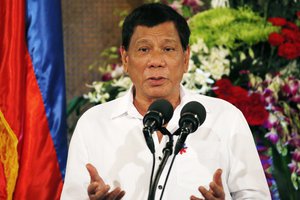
(126, 107)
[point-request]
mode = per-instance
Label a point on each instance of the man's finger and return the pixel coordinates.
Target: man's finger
(92, 188)
(94, 174)
(217, 177)
(216, 190)
(194, 198)
(101, 192)
(216, 186)
(206, 194)
(120, 195)
(117, 193)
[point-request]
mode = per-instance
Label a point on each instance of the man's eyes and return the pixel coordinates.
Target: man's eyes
(146, 49)
(143, 49)
(169, 49)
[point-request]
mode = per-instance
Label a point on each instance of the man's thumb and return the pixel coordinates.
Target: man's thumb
(93, 173)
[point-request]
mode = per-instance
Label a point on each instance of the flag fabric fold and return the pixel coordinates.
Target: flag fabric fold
(33, 136)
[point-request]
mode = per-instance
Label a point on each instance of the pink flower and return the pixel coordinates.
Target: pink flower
(292, 87)
(244, 72)
(296, 98)
(292, 166)
(194, 4)
(296, 155)
(106, 77)
(273, 137)
(294, 141)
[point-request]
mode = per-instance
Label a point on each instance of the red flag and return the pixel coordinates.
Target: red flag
(33, 142)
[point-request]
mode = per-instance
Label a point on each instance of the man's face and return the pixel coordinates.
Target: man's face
(156, 61)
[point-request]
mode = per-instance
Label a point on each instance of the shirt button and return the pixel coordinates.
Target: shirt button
(160, 187)
(159, 158)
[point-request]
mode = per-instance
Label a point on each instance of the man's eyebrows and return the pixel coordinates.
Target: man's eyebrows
(170, 40)
(164, 41)
(143, 41)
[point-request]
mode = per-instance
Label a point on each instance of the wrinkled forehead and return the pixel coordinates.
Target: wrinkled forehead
(166, 32)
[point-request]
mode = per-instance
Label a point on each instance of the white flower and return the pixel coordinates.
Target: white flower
(98, 86)
(123, 82)
(192, 66)
(199, 47)
(197, 79)
(216, 63)
(275, 84)
(99, 95)
(256, 82)
(203, 77)
(219, 3)
(95, 97)
(118, 71)
(214, 60)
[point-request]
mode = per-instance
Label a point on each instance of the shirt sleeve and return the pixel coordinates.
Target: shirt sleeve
(246, 176)
(77, 177)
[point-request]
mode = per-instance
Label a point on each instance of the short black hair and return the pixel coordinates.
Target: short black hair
(153, 14)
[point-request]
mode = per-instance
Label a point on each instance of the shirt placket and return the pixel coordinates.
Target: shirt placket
(158, 159)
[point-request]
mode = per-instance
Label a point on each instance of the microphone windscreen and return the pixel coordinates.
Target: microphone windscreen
(194, 108)
(164, 107)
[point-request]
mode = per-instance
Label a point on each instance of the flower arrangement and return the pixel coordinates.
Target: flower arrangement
(237, 53)
(288, 40)
(247, 58)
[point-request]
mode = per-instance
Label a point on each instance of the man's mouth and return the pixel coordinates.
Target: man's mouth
(156, 81)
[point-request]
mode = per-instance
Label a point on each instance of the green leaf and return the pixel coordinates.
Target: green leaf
(75, 104)
(282, 176)
(294, 180)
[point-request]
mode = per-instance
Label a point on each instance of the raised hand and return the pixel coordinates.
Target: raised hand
(98, 190)
(215, 191)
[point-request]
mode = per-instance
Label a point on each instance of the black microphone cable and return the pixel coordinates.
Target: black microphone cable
(168, 150)
(152, 171)
(167, 177)
(153, 162)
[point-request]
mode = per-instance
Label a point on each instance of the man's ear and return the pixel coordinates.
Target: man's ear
(186, 59)
(124, 57)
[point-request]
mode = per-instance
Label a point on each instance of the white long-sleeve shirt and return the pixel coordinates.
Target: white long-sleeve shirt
(110, 137)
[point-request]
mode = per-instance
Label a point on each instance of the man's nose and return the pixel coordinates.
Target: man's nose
(156, 59)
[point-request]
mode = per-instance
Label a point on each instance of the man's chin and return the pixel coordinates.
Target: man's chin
(157, 93)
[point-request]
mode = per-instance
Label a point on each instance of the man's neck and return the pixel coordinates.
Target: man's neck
(143, 105)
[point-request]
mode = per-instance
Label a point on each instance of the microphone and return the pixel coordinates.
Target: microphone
(192, 115)
(159, 113)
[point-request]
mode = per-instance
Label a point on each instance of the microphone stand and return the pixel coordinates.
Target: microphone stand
(179, 131)
(168, 150)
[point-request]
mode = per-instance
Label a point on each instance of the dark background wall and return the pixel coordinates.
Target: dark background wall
(89, 27)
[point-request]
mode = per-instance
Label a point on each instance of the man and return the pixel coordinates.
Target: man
(108, 156)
